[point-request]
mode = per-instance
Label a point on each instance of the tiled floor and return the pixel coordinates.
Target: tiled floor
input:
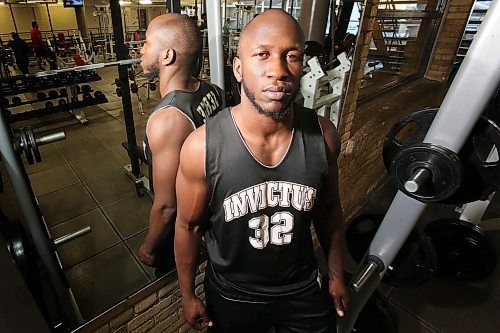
(81, 182)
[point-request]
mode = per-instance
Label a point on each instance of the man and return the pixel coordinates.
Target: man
(262, 172)
(37, 44)
(171, 51)
(21, 51)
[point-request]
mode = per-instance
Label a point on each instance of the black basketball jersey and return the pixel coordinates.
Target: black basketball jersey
(197, 105)
(258, 237)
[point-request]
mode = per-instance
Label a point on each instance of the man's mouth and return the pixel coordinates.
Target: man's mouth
(276, 92)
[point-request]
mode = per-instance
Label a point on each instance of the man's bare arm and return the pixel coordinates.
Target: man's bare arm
(167, 130)
(329, 222)
(192, 194)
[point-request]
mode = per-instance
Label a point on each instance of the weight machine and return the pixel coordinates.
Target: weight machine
(461, 109)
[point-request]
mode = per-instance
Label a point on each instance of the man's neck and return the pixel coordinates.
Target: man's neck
(177, 81)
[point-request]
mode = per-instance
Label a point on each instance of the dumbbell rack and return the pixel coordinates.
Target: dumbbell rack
(67, 97)
(36, 224)
(473, 87)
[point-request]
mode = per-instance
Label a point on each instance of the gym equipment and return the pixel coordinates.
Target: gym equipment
(464, 251)
(444, 176)
(415, 262)
(475, 83)
(34, 219)
(312, 84)
(132, 169)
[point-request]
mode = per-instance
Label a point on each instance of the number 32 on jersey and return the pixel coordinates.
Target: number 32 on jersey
(277, 229)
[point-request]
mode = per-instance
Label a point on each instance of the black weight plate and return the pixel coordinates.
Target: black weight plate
(393, 145)
(32, 144)
(376, 317)
(444, 165)
(480, 178)
(414, 263)
(41, 96)
(53, 94)
(463, 249)
(16, 100)
(25, 146)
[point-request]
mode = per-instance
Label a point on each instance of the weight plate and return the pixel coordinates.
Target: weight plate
(25, 146)
(463, 249)
(32, 143)
(444, 165)
(415, 262)
(479, 179)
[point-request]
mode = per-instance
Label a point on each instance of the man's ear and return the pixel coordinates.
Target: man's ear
(167, 57)
(237, 68)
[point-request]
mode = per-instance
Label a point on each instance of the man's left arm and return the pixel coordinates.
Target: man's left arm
(329, 220)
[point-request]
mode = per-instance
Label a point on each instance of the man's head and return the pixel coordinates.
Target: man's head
(269, 62)
(171, 40)
(34, 24)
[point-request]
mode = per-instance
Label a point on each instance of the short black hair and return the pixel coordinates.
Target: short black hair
(33, 24)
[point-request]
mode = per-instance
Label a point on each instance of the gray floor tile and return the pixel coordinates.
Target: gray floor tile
(75, 134)
(121, 153)
(66, 203)
(96, 164)
(409, 324)
(102, 236)
(129, 215)
(113, 138)
(78, 150)
(456, 306)
(110, 186)
(133, 244)
(106, 126)
(53, 179)
(103, 280)
(51, 157)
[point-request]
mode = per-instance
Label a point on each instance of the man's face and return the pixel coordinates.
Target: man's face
(149, 56)
(269, 67)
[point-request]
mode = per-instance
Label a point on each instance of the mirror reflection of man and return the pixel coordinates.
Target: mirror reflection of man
(171, 51)
(265, 170)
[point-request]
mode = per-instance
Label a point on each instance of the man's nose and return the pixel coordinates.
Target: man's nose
(277, 68)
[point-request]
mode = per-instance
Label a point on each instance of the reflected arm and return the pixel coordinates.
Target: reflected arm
(166, 131)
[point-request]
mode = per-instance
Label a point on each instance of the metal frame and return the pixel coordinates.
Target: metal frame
(36, 224)
(464, 103)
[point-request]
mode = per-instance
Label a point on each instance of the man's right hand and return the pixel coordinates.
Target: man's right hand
(195, 315)
(147, 257)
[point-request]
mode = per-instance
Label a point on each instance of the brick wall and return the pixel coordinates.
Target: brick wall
(155, 309)
(450, 35)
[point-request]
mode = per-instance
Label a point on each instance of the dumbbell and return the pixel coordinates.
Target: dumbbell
(53, 94)
(41, 96)
(16, 101)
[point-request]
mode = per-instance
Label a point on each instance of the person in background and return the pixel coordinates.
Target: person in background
(171, 52)
(21, 51)
(252, 181)
(37, 44)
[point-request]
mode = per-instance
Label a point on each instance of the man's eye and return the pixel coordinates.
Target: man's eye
(294, 57)
(262, 54)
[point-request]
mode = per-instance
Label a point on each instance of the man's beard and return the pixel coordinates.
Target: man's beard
(153, 71)
(276, 115)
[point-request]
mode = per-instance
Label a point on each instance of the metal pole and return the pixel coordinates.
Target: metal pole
(13, 18)
(128, 114)
(475, 83)
(215, 43)
(31, 211)
(50, 19)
